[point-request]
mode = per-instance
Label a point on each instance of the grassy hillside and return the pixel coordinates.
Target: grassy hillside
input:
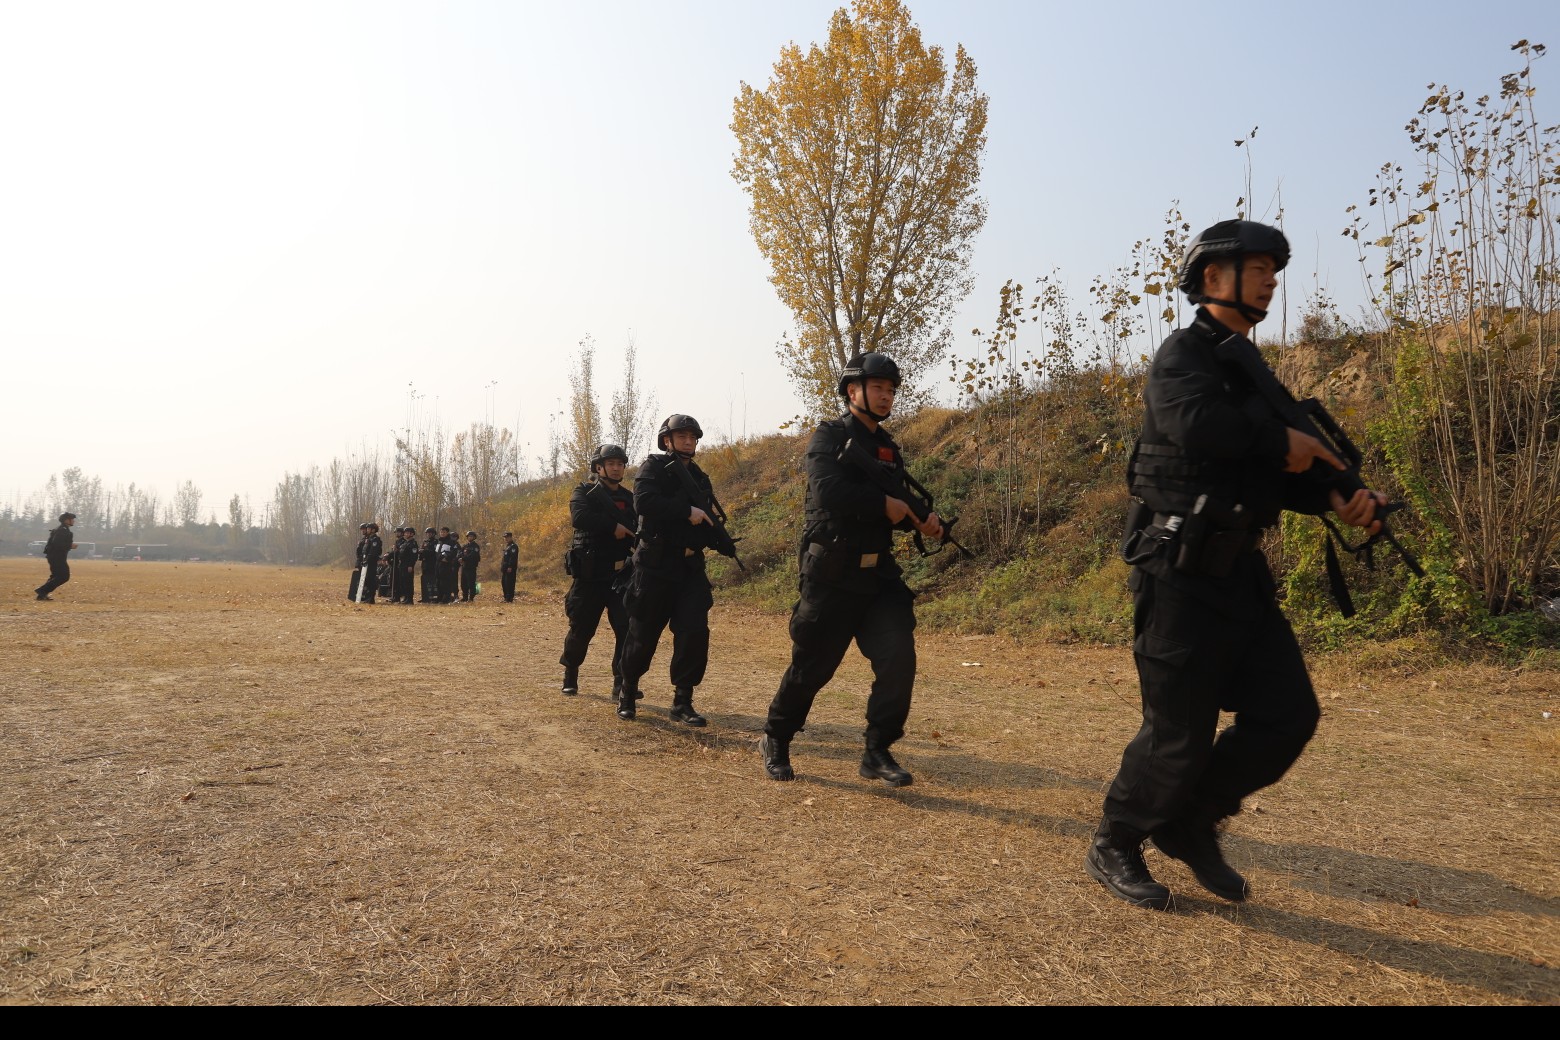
(1060, 581)
(1035, 477)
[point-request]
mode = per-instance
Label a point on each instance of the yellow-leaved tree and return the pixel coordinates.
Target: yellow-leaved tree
(861, 159)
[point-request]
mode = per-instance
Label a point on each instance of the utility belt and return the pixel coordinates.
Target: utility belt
(656, 553)
(833, 561)
(591, 564)
(1206, 541)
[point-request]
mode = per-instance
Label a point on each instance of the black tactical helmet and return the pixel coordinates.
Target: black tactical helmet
(365, 525)
(1226, 240)
(604, 452)
(676, 422)
(430, 530)
(67, 516)
(871, 365)
(471, 534)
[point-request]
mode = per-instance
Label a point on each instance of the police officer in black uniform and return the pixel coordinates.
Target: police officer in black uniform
(57, 552)
(428, 554)
(393, 553)
(470, 556)
(1213, 468)
(357, 566)
(509, 566)
(851, 588)
(406, 566)
(668, 582)
(448, 549)
(373, 549)
(602, 512)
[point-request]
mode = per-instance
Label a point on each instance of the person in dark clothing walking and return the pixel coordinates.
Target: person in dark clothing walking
(1211, 471)
(668, 583)
(602, 513)
(470, 556)
(429, 556)
(509, 566)
(57, 552)
(851, 588)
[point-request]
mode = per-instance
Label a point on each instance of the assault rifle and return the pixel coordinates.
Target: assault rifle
(901, 485)
(722, 542)
(1309, 416)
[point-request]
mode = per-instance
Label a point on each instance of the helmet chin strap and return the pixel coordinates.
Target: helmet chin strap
(1250, 313)
(863, 408)
(1247, 311)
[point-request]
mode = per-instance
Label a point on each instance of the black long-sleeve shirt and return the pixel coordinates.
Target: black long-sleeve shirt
(664, 503)
(595, 511)
(1230, 443)
(61, 541)
(845, 508)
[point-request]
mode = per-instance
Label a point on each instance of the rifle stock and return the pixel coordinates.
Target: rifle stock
(908, 490)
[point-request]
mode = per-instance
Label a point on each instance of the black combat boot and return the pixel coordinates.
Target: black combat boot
(878, 764)
(777, 758)
(625, 704)
(1195, 841)
(682, 708)
(571, 681)
(1124, 874)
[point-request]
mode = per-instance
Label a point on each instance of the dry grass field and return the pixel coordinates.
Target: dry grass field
(225, 785)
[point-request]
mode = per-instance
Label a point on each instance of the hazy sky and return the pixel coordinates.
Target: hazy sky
(240, 239)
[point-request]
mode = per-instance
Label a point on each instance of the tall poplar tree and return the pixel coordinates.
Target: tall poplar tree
(861, 159)
(584, 412)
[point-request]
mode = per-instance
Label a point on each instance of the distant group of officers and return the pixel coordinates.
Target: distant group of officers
(1212, 471)
(448, 566)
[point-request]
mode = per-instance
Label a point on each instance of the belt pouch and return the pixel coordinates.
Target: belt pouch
(824, 562)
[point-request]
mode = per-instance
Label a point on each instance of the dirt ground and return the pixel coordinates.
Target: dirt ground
(224, 784)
